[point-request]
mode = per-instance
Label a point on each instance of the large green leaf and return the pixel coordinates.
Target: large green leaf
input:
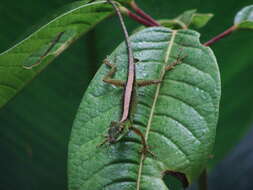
(236, 70)
(178, 116)
(41, 47)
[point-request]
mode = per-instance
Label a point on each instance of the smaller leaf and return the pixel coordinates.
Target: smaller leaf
(244, 18)
(199, 20)
(188, 19)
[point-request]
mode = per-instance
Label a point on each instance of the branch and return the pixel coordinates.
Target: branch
(221, 36)
(135, 17)
(202, 181)
(140, 12)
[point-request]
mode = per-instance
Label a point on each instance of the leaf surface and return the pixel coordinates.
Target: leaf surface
(41, 47)
(199, 20)
(178, 117)
(244, 18)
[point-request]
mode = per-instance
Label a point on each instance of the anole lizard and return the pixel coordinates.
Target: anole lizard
(118, 129)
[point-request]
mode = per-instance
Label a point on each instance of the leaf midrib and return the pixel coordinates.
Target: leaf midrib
(167, 55)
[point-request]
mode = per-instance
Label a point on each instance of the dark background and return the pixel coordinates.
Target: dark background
(35, 126)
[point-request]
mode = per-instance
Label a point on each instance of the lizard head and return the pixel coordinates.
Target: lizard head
(116, 132)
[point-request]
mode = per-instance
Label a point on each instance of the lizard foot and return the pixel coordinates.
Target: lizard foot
(146, 150)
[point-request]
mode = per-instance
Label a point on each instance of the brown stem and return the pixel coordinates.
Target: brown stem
(140, 12)
(202, 182)
(136, 17)
(220, 36)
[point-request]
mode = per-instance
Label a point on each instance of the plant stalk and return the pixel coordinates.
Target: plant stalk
(221, 36)
(203, 181)
(140, 12)
(135, 17)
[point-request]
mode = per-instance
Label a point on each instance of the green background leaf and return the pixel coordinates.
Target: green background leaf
(59, 33)
(186, 17)
(244, 18)
(179, 116)
(199, 20)
(31, 117)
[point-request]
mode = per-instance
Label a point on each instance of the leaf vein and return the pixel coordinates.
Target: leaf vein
(111, 164)
(120, 180)
(186, 103)
(174, 143)
(180, 123)
(166, 58)
(8, 87)
(191, 85)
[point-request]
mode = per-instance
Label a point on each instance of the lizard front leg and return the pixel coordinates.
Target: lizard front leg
(108, 77)
(142, 83)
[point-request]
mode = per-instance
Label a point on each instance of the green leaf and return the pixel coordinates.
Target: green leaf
(178, 116)
(244, 18)
(199, 20)
(188, 19)
(41, 47)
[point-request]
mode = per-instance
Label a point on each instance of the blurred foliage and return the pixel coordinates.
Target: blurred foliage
(240, 175)
(45, 44)
(35, 126)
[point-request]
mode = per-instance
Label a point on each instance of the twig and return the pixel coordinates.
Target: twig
(221, 36)
(202, 181)
(135, 17)
(143, 14)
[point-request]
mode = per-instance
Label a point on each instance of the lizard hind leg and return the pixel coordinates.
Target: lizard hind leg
(145, 148)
